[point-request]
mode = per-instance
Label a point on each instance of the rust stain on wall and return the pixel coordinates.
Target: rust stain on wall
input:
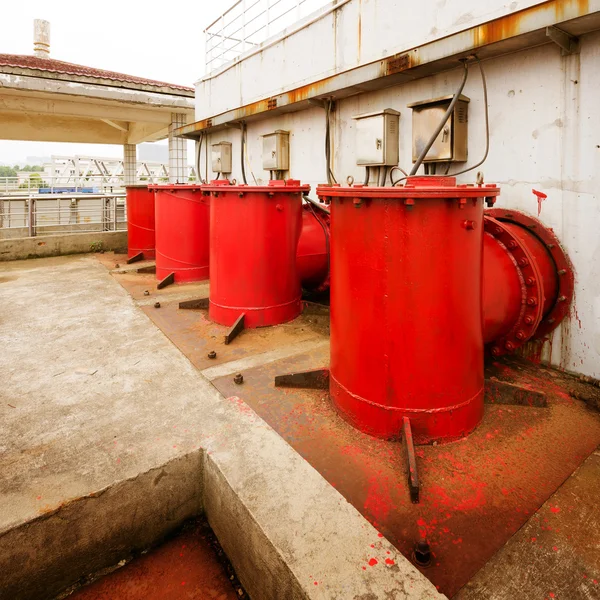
(497, 30)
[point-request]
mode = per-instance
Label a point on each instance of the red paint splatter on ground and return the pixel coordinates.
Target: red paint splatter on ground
(364, 568)
(555, 548)
(390, 561)
(555, 509)
(316, 583)
(551, 595)
(372, 562)
(533, 539)
(380, 535)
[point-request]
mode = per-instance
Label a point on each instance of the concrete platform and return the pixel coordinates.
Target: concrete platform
(476, 494)
(111, 438)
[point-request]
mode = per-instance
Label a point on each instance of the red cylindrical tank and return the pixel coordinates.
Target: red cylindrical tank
(406, 319)
(254, 232)
(140, 221)
(182, 232)
(518, 266)
(313, 249)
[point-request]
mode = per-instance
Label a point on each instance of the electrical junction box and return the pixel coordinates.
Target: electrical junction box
(451, 144)
(276, 151)
(377, 138)
(221, 157)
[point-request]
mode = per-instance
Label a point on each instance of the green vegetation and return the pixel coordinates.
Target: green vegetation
(35, 181)
(7, 172)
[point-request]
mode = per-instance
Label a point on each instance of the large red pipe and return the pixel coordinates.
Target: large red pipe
(312, 257)
(527, 277)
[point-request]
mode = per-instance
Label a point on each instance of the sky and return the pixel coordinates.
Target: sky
(128, 36)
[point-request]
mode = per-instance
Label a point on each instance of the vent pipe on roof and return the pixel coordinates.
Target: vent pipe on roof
(41, 38)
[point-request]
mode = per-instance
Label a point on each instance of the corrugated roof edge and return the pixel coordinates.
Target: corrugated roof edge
(58, 67)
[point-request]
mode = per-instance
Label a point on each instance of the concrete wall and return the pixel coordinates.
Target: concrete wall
(360, 32)
(543, 127)
(58, 245)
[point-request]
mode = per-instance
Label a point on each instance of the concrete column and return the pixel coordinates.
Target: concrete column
(129, 164)
(177, 151)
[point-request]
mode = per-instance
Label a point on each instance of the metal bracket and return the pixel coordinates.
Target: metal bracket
(568, 43)
(136, 258)
(148, 269)
(502, 392)
(196, 303)
(235, 329)
(409, 447)
(317, 379)
(168, 280)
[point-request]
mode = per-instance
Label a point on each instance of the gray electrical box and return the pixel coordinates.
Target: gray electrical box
(377, 138)
(221, 157)
(451, 144)
(276, 151)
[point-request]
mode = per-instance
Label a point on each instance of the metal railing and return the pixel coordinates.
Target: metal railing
(83, 184)
(68, 213)
(247, 24)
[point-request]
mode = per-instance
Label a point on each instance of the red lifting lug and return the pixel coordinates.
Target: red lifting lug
(357, 202)
(469, 225)
(409, 202)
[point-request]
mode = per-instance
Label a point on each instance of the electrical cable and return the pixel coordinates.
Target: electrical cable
(199, 158)
(445, 118)
(317, 204)
(243, 143)
(206, 160)
(401, 171)
(330, 176)
(487, 123)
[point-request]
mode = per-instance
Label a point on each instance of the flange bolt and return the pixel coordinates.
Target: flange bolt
(157, 305)
(146, 293)
(212, 354)
(422, 553)
(238, 379)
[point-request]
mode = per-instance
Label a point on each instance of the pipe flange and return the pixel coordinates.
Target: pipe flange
(565, 273)
(532, 291)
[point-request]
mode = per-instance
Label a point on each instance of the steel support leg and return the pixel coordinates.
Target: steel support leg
(413, 475)
(194, 304)
(317, 379)
(168, 280)
(235, 329)
(502, 392)
(136, 258)
(148, 269)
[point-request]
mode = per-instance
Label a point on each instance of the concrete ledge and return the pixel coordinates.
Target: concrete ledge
(57, 245)
(287, 532)
(41, 558)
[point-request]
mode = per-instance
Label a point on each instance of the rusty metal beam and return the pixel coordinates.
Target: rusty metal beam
(517, 31)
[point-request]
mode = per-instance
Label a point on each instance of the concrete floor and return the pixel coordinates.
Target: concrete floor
(111, 438)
